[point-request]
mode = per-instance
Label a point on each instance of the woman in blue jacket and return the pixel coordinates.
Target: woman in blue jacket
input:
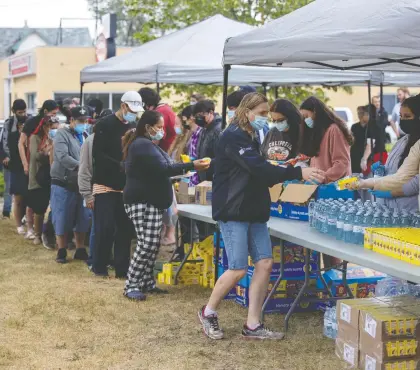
(147, 193)
(241, 205)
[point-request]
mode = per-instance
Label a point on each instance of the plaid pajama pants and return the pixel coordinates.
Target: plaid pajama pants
(147, 221)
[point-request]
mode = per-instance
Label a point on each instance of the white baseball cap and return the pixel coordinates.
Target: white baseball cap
(133, 100)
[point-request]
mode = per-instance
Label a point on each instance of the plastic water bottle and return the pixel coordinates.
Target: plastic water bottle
(396, 219)
(367, 221)
(318, 207)
(340, 223)
(358, 236)
(391, 287)
(332, 221)
(405, 219)
(325, 220)
(377, 220)
(321, 216)
(348, 226)
(379, 172)
(386, 219)
(330, 323)
(416, 221)
(311, 212)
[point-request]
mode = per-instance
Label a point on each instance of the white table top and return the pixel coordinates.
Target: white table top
(300, 233)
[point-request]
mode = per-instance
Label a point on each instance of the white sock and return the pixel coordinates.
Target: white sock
(253, 327)
(208, 311)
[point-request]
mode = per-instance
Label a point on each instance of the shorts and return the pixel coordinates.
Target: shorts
(68, 212)
(242, 239)
(19, 183)
(38, 200)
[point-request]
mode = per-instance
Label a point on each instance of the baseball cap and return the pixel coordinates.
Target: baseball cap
(80, 112)
(133, 100)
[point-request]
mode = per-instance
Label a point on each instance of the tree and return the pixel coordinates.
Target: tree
(127, 23)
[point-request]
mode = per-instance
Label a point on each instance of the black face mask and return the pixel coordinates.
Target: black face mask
(200, 121)
(21, 119)
(186, 126)
(410, 126)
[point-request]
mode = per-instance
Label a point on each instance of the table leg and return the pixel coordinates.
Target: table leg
(184, 260)
(297, 300)
(349, 292)
(217, 254)
(278, 281)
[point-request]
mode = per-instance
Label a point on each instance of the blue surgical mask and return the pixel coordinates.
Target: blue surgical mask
(159, 135)
(130, 117)
(259, 123)
(178, 130)
(80, 128)
(52, 133)
(309, 122)
(281, 126)
(230, 114)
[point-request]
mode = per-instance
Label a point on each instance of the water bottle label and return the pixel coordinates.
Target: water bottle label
(357, 229)
(340, 224)
(348, 227)
(370, 363)
(331, 222)
(345, 313)
(348, 354)
(370, 326)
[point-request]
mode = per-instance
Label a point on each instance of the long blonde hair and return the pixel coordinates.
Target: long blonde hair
(249, 102)
(180, 144)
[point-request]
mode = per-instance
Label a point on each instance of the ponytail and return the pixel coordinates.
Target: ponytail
(127, 139)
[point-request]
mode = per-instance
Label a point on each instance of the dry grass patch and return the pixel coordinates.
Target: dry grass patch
(62, 317)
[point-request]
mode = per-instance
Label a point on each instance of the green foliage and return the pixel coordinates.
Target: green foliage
(1, 184)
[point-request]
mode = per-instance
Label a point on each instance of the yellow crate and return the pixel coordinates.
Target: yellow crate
(161, 278)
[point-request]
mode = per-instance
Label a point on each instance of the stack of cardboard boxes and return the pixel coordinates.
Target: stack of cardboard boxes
(200, 194)
(379, 333)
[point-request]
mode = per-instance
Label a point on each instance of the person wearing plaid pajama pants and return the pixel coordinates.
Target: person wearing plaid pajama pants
(147, 193)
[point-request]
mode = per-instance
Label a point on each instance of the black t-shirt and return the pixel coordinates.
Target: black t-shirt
(277, 146)
(30, 125)
(361, 134)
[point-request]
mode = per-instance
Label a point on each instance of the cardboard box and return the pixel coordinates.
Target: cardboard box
(367, 362)
(292, 201)
(348, 310)
(203, 193)
(404, 301)
(185, 193)
(389, 323)
(390, 349)
(347, 347)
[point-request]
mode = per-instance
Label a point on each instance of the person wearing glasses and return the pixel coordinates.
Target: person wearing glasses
(211, 124)
(112, 225)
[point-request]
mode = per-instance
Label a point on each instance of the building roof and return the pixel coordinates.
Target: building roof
(12, 37)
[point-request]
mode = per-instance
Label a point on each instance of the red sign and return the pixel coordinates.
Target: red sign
(101, 48)
(21, 65)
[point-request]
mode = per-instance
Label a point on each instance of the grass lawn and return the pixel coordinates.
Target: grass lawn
(62, 317)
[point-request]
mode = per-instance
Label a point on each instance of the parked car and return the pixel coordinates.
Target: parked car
(345, 114)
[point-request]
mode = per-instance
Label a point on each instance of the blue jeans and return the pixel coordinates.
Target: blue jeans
(7, 198)
(243, 238)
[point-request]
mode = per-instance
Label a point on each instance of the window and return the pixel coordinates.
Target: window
(104, 98)
(62, 96)
(31, 103)
(116, 101)
(389, 102)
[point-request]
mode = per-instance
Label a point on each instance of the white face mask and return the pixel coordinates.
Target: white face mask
(281, 126)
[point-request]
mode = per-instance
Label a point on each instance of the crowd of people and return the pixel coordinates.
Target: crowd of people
(109, 174)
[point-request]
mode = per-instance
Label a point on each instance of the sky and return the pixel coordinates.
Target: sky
(45, 13)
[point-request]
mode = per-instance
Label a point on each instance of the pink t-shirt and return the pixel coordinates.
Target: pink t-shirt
(334, 155)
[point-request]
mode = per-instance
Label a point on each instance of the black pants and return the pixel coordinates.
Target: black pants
(112, 227)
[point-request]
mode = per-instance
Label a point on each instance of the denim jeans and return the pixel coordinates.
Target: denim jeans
(244, 238)
(7, 198)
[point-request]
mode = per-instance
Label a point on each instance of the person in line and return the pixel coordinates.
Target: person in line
(68, 213)
(112, 225)
(148, 191)
(96, 107)
(241, 206)
(361, 149)
(233, 100)
(18, 179)
(10, 125)
(211, 123)
(49, 109)
(195, 98)
(281, 143)
(39, 186)
(326, 140)
(400, 188)
(377, 126)
(152, 101)
(402, 94)
(180, 144)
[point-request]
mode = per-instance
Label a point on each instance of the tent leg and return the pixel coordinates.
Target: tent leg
(225, 91)
(81, 93)
(276, 92)
(370, 117)
(264, 85)
(158, 88)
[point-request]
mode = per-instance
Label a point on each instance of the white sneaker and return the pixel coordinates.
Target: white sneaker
(30, 235)
(21, 230)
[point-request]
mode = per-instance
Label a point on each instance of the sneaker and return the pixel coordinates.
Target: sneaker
(157, 290)
(6, 215)
(80, 254)
(261, 332)
(37, 240)
(46, 243)
(30, 235)
(136, 295)
(210, 325)
(21, 230)
(61, 256)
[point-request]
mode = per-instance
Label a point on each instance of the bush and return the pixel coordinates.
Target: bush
(1, 184)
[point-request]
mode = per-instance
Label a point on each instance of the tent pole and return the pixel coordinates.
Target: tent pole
(81, 93)
(158, 88)
(370, 117)
(225, 91)
(276, 92)
(264, 85)
(381, 110)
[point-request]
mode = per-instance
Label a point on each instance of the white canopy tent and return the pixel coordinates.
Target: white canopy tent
(368, 35)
